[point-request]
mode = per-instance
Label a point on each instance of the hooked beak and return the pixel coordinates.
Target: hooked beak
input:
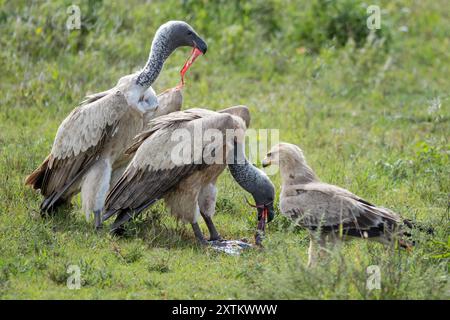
(266, 162)
(201, 45)
(271, 214)
(195, 53)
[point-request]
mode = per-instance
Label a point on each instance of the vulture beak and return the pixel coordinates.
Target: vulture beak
(195, 53)
(271, 213)
(266, 162)
(265, 215)
(201, 45)
(199, 48)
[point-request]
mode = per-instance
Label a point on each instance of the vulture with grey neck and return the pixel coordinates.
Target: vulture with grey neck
(333, 211)
(94, 135)
(187, 186)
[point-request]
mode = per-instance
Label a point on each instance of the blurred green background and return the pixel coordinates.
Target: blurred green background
(370, 110)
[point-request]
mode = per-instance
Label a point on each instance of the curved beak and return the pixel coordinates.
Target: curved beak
(266, 162)
(198, 50)
(270, 213)
(201, 45)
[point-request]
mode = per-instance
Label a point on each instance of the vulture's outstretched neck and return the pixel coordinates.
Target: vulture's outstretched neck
(249, 177)
(160, 51)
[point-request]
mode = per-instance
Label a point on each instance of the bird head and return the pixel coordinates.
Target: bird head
(176, 34)
(283, 152)
(181, 34)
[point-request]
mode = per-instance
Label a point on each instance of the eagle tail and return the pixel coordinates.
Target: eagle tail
(414, 225)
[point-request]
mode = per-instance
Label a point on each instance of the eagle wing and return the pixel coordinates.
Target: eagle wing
(327, 207)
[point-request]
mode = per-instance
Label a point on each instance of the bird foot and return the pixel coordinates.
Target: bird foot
(216, 237)
(203, 242)
(218, 243)
(199, 234)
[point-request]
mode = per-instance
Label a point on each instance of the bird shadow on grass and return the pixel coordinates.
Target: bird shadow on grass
(65, 219)
(159, 230)
(155, 227)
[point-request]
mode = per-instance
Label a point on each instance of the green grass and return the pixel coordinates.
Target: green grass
(372, 118)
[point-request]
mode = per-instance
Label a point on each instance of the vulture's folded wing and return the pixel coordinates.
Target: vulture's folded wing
(78, 143)
(157, 166)
(167, 122)
(96, 96)
(327, 207)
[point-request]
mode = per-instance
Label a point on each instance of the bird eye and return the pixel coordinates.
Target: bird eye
(189, 33)
(269, 154)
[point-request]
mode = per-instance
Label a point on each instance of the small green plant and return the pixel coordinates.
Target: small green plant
(226, 205)
(5, 274)
(398, 170)
(442, 249)
(333, 23)
(152, 284)
(369, 109)
(130, 254)
(133, 254)
(58, 273)
(161, 266)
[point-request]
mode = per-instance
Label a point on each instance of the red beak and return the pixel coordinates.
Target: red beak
(194, 54)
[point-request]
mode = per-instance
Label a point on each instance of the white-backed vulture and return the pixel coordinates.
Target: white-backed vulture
(188, 188)
(95, 134)
(333, 212)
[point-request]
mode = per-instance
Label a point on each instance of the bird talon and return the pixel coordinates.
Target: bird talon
(216, 238)
(203, 242)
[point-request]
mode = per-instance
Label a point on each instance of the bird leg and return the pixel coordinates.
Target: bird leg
(312, 253)
(198, 234)
(94, 188)
(98, 219)
(213, 233)
(316, 249)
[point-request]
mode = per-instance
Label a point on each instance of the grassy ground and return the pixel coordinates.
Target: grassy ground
(372, 117)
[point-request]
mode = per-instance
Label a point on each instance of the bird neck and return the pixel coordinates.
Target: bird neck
(244, 174)
(250, 178)
(159, 53)
(295, 171)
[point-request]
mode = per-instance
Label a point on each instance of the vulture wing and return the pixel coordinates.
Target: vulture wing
(327, 207)
(78, 143)
(154, 170)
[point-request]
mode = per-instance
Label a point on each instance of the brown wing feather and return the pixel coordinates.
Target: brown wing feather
(35, 178)
(138, 189)
(61, 174)
(152, 173)
(329, 208)
(141, 184)
(78, 143)
(166, 122)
